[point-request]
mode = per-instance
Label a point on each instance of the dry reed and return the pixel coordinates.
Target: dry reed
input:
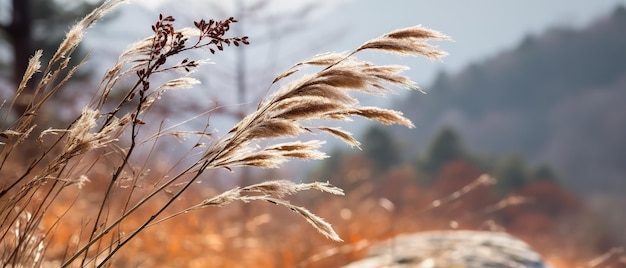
(107, 131)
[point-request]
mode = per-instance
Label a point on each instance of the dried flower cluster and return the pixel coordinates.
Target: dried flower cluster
(216, 30)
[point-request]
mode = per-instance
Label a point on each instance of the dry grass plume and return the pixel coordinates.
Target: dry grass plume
(108, 132)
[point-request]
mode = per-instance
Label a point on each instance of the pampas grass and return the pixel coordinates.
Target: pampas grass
(108, 131)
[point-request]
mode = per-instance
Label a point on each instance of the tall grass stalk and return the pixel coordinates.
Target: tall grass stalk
(110, 130)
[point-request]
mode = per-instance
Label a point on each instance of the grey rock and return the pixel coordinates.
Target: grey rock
(458, 249)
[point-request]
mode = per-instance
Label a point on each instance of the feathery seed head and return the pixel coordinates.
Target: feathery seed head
(34, 64)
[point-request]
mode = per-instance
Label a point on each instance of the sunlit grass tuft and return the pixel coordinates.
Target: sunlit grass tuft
(102, 145)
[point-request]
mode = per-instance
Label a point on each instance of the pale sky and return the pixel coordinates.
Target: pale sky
(480, 29)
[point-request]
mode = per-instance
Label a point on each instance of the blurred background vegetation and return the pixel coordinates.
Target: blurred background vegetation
(545, 118)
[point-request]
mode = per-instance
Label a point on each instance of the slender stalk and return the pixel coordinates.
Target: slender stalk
(155, 215)
(141, 202)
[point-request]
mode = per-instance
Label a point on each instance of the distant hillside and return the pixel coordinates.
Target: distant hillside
(559, 98)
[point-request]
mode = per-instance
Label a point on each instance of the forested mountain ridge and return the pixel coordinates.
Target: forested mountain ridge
(558, 97)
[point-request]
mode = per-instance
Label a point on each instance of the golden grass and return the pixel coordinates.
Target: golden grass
(104, 140)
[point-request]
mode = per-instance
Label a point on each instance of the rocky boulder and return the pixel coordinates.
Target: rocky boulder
(438, 249)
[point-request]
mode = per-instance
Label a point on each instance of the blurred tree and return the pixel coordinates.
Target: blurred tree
(444, 148)
(547, 210)
(36, 24)
(511, 174)
(378, 146)
(544, 173)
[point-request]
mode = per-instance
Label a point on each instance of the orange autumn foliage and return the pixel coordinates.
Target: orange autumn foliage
(373, 209)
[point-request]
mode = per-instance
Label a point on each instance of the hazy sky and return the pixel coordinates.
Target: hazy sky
(479, 28)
